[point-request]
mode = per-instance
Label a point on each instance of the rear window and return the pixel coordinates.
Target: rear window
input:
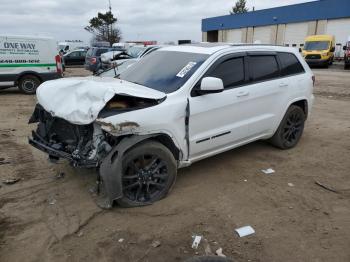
(263, 68)
(89, 52)
(290, 65)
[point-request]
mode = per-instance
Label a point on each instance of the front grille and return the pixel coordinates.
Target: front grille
(313, 57)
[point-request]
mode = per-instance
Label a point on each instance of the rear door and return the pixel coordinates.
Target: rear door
(267, 94)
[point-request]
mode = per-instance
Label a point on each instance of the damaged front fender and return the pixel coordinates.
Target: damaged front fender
(127, 127)
(111, 169)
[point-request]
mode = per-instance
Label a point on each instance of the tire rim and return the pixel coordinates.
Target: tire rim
(293, 128)
(144, 178)
(28, 85)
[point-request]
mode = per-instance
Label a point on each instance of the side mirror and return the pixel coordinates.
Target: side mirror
(332, 49)
(211, 85)
(344, 48)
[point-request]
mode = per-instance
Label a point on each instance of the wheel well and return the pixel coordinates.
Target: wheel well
(303, 105)
(164, 140)
(28, 74)
(168, 142)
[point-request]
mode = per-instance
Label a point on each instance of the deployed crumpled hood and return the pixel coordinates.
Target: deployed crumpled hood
(79, 100)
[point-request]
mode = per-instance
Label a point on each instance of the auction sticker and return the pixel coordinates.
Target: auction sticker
(186, 69)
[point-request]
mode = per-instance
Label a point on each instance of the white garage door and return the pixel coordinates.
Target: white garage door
(262, 34)
(295, 34)
(340, 28)
(234, 36)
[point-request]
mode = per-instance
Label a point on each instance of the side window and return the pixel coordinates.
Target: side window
(263, 67)
(74, 54)
(290, 65)
(230, 71)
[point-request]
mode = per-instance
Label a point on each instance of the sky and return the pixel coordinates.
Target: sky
(161, 20)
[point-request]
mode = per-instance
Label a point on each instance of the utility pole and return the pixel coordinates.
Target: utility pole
(110, 30)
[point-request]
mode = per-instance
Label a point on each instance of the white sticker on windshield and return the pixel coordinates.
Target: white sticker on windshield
(186, 69)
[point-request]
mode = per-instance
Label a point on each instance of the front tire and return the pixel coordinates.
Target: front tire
(148, 174)
(28, 84)
(290, 129)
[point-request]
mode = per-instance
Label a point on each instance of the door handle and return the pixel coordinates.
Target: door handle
(243, 94)
(283, 85)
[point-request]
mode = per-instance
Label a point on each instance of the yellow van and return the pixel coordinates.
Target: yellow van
(319, 50)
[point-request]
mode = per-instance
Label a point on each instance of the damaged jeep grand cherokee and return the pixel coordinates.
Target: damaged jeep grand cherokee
(176, 106)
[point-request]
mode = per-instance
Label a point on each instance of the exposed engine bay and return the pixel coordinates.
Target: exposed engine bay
(82, 145)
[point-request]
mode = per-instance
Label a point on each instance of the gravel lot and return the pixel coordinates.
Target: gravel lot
(45, 218)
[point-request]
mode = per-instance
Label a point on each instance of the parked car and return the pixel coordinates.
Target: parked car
(114, 59)
(346, 49)
(76, 57)
(319, 50)
(93, 57)
(172, 108)
(27, 61)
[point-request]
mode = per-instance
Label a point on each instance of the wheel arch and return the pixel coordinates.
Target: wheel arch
(303, 104)
(163, 139)
(26, 73)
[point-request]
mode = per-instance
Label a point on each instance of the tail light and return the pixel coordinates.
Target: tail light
(93, 60)
(313, 80)
(58, 64)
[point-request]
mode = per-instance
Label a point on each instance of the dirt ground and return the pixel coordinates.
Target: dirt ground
(47, 218)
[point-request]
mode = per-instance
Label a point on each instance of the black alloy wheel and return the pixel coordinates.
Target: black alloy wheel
(149, 172)
(291, 128)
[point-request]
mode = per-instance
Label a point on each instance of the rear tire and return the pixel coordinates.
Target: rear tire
(290, 129)
(148, 174)
(28, 84)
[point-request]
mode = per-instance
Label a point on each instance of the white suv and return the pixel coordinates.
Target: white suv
(176, 106)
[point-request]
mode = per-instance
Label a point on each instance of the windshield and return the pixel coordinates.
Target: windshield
(165, 71)
(112, 72)
(316, 45)
(135, 51)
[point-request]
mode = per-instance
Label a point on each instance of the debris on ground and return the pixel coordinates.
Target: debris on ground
(121, 240)
(196, 241)
(219, 252)
(52, 201)
(207, 248)
(245, 231)
(155, 244)
(80, 234)
(326, 187)
(60, 175)
(268, 171)
(290, 184)
(3, 161)
(10, 181)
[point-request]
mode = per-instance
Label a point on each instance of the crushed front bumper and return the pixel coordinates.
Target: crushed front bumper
(55, 154)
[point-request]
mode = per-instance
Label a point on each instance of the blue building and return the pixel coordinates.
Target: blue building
(286, 25)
